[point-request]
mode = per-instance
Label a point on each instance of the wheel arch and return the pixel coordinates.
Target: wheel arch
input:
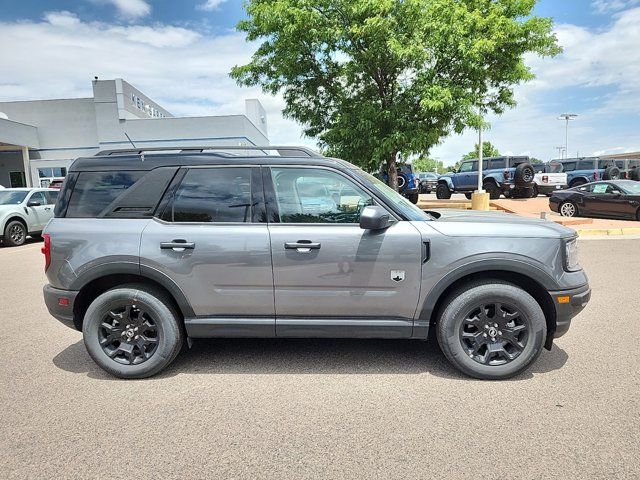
(578, 180)
(446, 181)
(95, 285)
(533, 281)
(11, 218)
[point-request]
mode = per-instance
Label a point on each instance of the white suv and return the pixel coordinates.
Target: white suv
(24, 211)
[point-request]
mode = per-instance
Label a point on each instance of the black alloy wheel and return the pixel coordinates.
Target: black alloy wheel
(128, 335)
(494, 333)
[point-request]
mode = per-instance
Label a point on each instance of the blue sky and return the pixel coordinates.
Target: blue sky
(180, 52)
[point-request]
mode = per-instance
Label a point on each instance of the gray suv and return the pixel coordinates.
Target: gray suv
(151, 249)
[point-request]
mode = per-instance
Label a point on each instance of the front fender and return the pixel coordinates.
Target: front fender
(12, 214)
(447, 181)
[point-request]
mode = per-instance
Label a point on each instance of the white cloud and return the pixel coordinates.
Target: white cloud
(184, 71)
(130, 9)
(608, 6)
(210, 5)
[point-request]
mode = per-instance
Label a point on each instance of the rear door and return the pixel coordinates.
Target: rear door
(210, 237)
(331, 277)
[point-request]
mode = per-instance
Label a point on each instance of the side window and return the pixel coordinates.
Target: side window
(568, 166)
(94, 191)
(468, 167)
(310, 195)
(497, 163)
(587, 165)
(38, 197)
(212, 195)
(51, 196)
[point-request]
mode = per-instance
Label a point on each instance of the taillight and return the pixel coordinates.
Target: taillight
(506, 174)
(46, 250)
(545, 179)
(595, 175)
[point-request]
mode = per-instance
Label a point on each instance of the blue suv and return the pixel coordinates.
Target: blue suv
(588, 169)
(408, 183)
(512, 176)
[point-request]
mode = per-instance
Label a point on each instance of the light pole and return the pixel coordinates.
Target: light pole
(566, 117)
(480, 160)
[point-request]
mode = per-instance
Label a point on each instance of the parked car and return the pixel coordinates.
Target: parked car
(512, 176)
(56, 183)
(428, 181)
(407, 182)
(613, 199)
(147, 247)
(24, 211)
(549, 177)
(588, 169)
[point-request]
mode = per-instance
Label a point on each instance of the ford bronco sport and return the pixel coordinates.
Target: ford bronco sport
(149, 249)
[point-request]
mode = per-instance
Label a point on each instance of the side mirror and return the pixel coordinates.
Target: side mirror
(33, 203)
(374, 218)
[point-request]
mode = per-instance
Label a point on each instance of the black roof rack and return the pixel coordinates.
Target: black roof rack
(283, 151)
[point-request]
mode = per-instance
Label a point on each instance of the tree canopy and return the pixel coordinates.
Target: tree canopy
(488, 150)
(371, 78)
(426, 164)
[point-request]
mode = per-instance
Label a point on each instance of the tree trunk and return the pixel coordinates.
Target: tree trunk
(392, 171)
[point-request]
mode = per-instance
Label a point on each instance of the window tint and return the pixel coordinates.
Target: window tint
(568, 166)
(497, 163)
(94, 191)
(38, 197)
(212, 195)
(587, 165)
(515, 161)
(307, 195)
(51, 197)
(602, 188)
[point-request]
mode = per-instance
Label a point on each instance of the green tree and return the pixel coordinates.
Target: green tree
(535, 161)
(488, 150)
(426, 164)
(371, 78)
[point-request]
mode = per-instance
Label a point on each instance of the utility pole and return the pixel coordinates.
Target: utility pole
(560, 151)
(566, 117)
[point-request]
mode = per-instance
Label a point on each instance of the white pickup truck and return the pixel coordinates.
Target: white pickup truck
(548, 178)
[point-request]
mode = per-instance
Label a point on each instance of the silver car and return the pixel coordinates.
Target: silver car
(24, 211)
(150, 249)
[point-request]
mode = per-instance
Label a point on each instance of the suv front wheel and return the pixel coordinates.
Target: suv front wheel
(132, 331)
(491, 329)
(443, 192)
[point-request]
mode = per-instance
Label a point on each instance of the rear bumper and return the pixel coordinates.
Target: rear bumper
(568, 304)
(546, 189)
(410, 191)
(53, 297)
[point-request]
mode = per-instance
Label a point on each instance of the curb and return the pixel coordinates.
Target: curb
(609, 231)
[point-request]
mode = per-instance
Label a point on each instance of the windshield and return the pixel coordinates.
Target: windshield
(632, 188)
(12, 197)
(407, 208)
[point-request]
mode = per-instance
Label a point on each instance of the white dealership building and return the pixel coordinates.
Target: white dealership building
(39, 139)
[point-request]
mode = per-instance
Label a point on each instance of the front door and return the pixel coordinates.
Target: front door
(39, 213)
(212, 241)
(467, 177)
(332, 278)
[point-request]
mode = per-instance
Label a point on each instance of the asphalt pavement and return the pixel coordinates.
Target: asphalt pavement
(323, 408)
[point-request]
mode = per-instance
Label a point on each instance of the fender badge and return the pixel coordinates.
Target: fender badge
(397, 275)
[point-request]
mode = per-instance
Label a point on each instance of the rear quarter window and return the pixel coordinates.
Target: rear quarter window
(94, 191)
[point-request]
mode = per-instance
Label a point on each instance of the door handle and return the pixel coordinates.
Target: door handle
(47, 208)
(177, 245)
(302, 246)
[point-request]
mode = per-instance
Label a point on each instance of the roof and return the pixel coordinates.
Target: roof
(193, 156)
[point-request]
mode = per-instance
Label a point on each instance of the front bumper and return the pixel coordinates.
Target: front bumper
(60, 304)
(568, 304)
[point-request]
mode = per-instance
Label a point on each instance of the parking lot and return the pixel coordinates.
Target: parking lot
(323, 408)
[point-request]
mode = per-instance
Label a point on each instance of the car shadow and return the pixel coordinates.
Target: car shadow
(306, 356)
(27, 241)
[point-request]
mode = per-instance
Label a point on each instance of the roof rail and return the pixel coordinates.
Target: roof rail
(283, 151)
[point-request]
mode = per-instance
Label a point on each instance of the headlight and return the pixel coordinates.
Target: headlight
(571, 255)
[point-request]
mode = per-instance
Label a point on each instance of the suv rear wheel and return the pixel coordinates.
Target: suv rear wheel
(132, 331)
(492, 189)
(491, 329)
(443, 192)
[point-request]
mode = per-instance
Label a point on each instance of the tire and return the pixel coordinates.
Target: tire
(468, 195)
(492, 189)
(611, 173)
(568, 209)
(413, 198)
(139, 359)
(507, 194)
(577, 182)
(443, 192)
(638, 215)
(634, 174)
(534, 191)
(507, 349)
(524, 175)
(15, 233)
(402, 181)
